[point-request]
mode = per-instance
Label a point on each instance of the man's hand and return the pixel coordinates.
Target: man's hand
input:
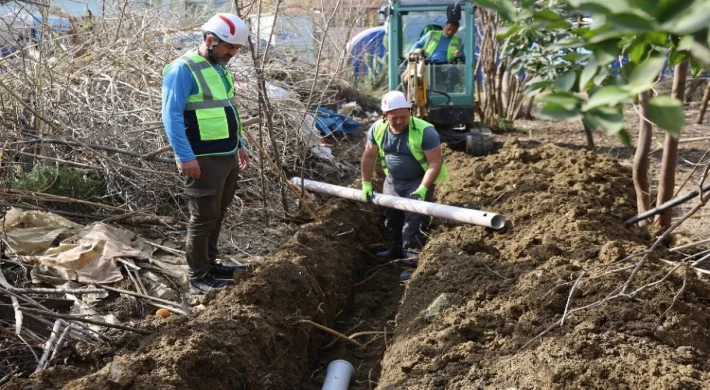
(367, 191)
(190, 168)
(419, 193)
(457, 53)
(243, 158)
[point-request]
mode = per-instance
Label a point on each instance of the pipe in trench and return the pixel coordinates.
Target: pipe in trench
(459, 214)
(338, 375)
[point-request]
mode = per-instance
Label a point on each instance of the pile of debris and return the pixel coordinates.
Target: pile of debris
(94, 104)
(103, 280)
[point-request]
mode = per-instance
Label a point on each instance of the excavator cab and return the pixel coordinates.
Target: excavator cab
(442, 94)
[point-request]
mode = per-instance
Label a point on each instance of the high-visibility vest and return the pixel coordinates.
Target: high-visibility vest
(212, 121)
(433, 41)
(414, 139)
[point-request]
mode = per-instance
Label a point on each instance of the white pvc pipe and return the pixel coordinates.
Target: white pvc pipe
(474, 217)
(338, 375)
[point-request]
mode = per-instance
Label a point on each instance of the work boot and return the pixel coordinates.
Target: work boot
(405, 275)
(392, 254)
(207, 283)
(221, 271)
(410, 259)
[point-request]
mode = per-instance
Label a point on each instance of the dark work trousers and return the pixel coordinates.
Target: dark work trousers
(208, 198)
(407, 228)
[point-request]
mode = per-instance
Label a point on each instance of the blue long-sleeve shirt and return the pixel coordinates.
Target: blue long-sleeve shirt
(440, 54)
(178, 85)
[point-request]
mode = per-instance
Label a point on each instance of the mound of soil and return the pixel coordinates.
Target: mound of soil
(252, 336)
(482, 308)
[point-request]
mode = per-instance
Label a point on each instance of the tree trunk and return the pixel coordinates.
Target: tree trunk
(666, 177)
(641, 159)
(528, 110)
(590, 136)
(703, 105)
(695, 83)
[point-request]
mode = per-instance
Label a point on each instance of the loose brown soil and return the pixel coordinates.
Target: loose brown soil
(482, 310)
(499, 291)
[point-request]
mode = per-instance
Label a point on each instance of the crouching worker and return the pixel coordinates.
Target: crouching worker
(410, 151)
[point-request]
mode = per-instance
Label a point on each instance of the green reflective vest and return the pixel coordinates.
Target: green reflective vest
(415, 136)
(212, 122)
(433, 41)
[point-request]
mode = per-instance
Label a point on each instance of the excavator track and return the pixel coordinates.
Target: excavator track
(476, 139)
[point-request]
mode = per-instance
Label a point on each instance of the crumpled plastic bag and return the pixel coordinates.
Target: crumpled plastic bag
(32, 232)
(89, 256)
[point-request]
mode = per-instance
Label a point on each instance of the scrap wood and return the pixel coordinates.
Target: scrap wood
(78, 328)
(43, 196)
(147, 156)
(86, 320)
(49, 346)
(170, 305)
(15, 304)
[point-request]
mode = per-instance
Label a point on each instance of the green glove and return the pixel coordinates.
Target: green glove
(420, 193)
(367, 191)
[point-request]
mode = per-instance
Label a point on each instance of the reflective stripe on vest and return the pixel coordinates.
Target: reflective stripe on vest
(414, 141)
(433, 42)
(210, 105)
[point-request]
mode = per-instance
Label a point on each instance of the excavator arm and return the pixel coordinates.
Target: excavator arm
(417, 83)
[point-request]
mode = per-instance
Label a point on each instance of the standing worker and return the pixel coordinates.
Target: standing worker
(204, 129)
(410, 151)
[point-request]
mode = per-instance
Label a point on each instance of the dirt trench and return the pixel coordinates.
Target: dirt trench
(248, 337)
(472, 313)
(478, 312)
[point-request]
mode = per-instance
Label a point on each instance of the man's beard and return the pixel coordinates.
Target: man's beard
(224, 60)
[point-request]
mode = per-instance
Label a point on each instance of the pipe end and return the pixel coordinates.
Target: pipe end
(498, 222)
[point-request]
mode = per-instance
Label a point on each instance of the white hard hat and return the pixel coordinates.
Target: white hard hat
(394, 100)
(228, 27)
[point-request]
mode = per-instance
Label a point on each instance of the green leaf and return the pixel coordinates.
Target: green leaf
(599, 6)
(601, 76)
(611, 95)
(590, 70)
(610, 120)
(637, 51)
(695, 68)
(571, 56)
(551, 19)
(606, 51)
(647, 71)
(507, 31)
(566, 81)
(689, 20)
(504, 8)
(667, 113)
(675, 57)
(566, 100)
(685, 43)
(539, 86)
(668, 9)
(624, 137)
(547, 15)
(656, 38)
(630, 21)
(557, 111)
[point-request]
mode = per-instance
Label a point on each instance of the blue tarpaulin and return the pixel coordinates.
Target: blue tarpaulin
(367, 52)
(329, 121)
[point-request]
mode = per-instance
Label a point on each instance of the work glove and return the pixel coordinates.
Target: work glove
(419, 193)
(367, 191)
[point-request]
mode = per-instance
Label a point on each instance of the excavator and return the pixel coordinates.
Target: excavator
(441, 94)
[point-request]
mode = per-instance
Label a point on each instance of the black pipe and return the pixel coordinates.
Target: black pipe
(671, 203)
